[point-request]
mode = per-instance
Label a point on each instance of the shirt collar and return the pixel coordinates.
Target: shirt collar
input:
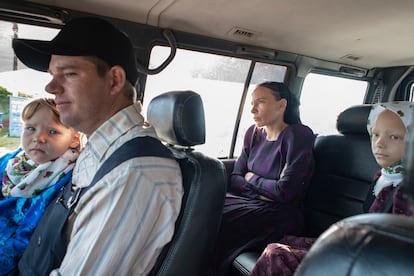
(104, 136)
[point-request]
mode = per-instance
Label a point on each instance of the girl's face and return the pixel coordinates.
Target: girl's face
(266, 109)
(44, 140)
(388, 139)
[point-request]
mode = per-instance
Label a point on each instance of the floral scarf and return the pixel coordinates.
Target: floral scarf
(389, 176)
(25, 178)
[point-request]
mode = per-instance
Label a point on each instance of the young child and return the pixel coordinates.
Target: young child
(32, 176)
(387, 125)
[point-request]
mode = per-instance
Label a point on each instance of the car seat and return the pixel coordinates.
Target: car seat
(367, 244)
(178, 118)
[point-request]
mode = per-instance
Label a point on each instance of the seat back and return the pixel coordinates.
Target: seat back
(345, 169)
(368, 244)
(178, 118)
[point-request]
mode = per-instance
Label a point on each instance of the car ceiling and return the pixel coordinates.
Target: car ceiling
(363, 33)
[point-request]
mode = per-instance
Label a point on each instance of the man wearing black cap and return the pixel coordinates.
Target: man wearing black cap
(121, 223)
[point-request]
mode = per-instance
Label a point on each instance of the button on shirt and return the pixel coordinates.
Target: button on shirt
(121, 224)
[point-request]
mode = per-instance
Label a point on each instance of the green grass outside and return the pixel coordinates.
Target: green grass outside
(8, 142)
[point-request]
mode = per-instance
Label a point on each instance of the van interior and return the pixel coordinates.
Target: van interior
(337, 57)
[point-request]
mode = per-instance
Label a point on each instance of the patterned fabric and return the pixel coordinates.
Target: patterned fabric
(24, 178)
(403, 109)
(121, 224)
(391, 176)
(19, 217)
(282, 169)
(282, 258)
(400, 205)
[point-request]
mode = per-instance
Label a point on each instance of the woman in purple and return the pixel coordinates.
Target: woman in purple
(265, 195)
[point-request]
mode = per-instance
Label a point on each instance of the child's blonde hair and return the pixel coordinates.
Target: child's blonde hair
(31, 108)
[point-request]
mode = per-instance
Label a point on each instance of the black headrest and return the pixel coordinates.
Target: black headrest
(178, 118)
(353, 120)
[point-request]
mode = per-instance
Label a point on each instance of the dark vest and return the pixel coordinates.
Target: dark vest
(47, 246)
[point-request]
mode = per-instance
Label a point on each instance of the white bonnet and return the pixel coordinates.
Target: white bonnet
(404, 109)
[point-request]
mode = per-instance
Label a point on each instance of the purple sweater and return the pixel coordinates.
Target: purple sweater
(282, 168)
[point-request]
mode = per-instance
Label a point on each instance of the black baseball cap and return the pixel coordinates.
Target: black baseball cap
(84, 36)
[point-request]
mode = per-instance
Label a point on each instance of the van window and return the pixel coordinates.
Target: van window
(219, 80)
(18, 84)
(323, 97)
(411, 95)
(14, 75)
(262, 72)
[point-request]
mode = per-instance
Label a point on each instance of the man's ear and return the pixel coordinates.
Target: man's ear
(118, 78)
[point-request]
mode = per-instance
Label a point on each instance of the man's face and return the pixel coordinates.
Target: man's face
(82, 96)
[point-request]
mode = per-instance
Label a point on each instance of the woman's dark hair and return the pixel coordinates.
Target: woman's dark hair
(281, 91)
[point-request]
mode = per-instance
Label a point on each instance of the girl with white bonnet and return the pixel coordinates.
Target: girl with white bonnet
(388, 125)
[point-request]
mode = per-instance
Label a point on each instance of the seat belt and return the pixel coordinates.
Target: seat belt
(47, 246)
(387, 208)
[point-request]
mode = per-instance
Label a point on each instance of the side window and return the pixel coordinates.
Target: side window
(18, 84)
(411, 97)
(14, 75)
(323, 97)
(262, 72)
(220, 82)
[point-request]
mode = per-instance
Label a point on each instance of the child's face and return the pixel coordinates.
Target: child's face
(43, 139)
(387, 140)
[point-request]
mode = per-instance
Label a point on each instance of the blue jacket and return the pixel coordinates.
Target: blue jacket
(19, 217)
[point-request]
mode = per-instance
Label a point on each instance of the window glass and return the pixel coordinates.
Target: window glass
(14, 75)
(218, 79)
(18, 84)
(262, 72)
(411, 96)
(323, 97)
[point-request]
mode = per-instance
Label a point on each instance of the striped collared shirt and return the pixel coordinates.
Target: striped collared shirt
(121, 224)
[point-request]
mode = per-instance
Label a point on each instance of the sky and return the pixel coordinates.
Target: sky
(24, 80)
(27, 81)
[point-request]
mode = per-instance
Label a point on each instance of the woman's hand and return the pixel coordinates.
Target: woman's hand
(264, 198)
(248, 175)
